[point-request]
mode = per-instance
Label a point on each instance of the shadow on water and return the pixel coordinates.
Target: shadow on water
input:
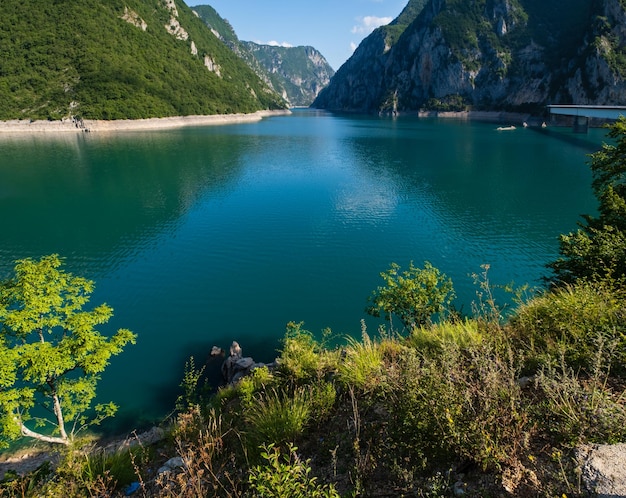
(582, 141)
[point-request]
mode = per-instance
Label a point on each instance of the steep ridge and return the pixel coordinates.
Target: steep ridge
(515, 55)
(119, 59)
(298, 74)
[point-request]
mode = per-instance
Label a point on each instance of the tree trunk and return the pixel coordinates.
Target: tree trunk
(41, 437)
(59, 415)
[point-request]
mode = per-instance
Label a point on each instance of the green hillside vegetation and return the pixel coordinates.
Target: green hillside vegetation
(431, 405)
(394, 29)
(211, 17)
(81, 58)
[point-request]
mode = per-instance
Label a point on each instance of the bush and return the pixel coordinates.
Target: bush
(414, 295)
(577, 409)
(568, 322)
(286, 477)
(457, 405)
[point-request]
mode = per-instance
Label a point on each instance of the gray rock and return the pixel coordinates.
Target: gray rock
(171, 465)
(603, 469)
(215, 351)
(236, 366)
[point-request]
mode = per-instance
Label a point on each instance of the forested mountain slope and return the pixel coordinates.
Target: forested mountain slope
(115, 59)
(516, 55)
(296, 73)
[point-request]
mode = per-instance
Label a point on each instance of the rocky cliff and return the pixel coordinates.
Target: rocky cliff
(296, 73)
(515, 55)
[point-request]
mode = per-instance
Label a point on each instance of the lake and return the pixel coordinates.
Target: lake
(201, 236)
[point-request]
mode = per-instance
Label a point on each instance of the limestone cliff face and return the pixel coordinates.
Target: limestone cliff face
(298, 74)
(488, 55)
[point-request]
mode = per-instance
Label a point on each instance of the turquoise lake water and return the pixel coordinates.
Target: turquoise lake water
(201, 236)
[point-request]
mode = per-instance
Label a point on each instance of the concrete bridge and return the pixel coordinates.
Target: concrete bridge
(582, 113)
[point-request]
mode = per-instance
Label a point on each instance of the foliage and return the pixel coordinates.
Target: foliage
(302, 357)
(86, 60)
(598, 248)
(50, 352)
(449, 103)
(456, 403)
(414, 295)
(570, 322)
(286, 477)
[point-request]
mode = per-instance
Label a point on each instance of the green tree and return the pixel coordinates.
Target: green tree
(50, 353)
(598, 248)
(414, 295)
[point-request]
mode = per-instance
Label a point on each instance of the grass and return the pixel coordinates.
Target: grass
(443, 407)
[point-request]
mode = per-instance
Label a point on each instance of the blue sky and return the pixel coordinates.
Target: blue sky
(334, 27)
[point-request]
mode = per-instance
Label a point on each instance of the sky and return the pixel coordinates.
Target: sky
(334, 27)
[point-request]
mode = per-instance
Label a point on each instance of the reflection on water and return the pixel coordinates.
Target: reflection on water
(201, 236)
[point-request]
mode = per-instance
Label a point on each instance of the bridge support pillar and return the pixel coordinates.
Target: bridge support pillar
(581, 124)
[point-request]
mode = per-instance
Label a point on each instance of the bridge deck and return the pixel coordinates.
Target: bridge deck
(589, 111)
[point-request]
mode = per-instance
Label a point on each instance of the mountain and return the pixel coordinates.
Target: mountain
(296, 73)
(515, 55)
(115, 59)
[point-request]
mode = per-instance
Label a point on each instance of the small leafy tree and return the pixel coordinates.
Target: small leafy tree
(50, 353)
(414, 295)
(598, 248)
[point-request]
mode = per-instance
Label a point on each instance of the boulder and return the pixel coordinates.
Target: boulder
(603, 470)
(236, 366)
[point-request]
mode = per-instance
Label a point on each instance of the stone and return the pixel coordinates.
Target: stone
(236, 366)
(171, 465)
(603, 470)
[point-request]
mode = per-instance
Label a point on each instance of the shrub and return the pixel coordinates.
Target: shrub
(286, 477)
(569, 321)
(577, 409)
(211, 464)
(414, 295)
(457, 405)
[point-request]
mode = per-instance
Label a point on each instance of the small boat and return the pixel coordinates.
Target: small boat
(505, 128)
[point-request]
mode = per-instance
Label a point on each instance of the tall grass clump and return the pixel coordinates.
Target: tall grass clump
(361, 365)
(464, 334)
(277, 417)
(302, 357)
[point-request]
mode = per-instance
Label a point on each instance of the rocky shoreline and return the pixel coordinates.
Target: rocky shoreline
(73, 125)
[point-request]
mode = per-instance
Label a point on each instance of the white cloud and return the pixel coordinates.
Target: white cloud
(368, 24)
(274, 43)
